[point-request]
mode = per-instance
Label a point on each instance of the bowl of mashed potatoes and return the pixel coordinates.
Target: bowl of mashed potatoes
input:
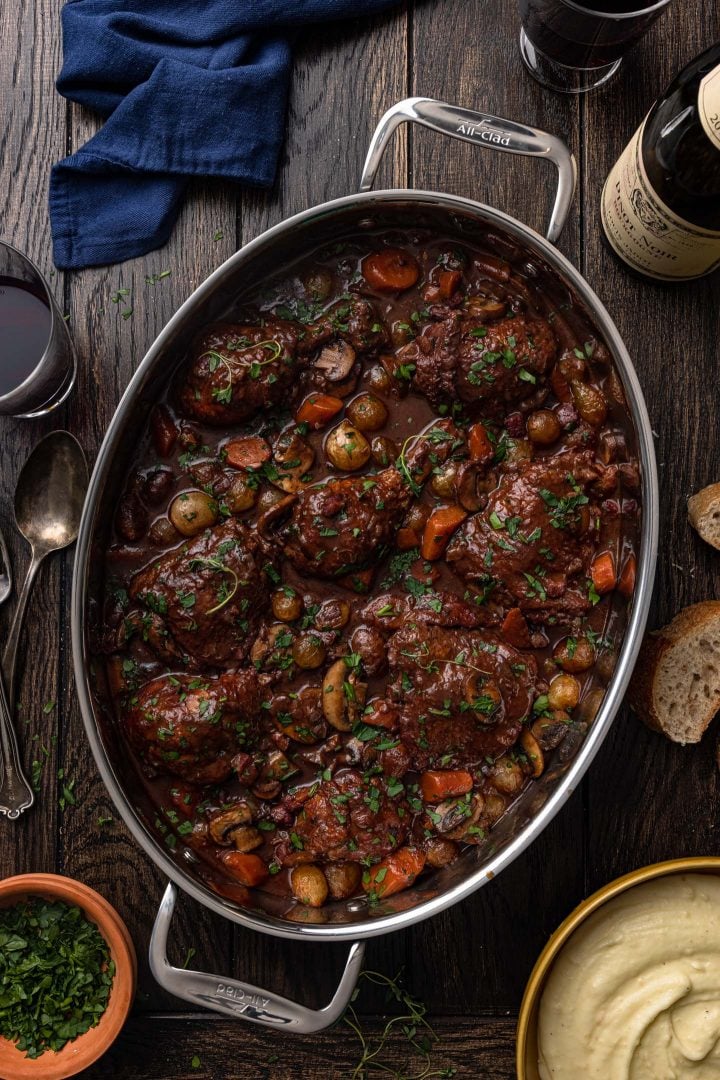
(628, 987)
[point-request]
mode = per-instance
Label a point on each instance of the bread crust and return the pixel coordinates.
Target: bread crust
(688, 622)
(640, 695)
(701, 504)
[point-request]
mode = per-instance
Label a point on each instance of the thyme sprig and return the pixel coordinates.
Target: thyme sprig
(216, 359)
(434, 436)
(215, 564)
(411, 1021)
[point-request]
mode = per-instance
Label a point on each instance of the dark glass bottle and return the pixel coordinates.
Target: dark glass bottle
(661, 202)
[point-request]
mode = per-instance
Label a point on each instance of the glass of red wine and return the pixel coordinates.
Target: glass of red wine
(37, 358)
(576, 45)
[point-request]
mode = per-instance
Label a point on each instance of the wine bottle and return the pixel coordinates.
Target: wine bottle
(660, 206)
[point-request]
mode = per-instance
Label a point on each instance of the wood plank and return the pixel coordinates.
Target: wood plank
(32, 134)
(154, 1048)
(649, 800)
(477, 955)
(346, 75)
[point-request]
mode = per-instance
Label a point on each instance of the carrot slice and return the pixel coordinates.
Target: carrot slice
(515, 629)
(395, 873)
(249, 452)
(439, 784)
(390, 270)
(447, 283)
(479, 445)
(318, 409)
(247, 869)
(626, 582)
(406, 539)
(440, 526)
(603, 573)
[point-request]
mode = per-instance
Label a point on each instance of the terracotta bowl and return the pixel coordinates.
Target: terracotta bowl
(526, 1059)
(83, 1051)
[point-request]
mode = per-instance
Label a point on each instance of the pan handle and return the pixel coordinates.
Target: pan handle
(233, 998)
(483, 129)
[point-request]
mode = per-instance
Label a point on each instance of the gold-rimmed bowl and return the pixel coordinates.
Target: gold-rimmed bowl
(526, 1054)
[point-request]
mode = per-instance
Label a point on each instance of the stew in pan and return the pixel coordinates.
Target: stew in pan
(369, 567)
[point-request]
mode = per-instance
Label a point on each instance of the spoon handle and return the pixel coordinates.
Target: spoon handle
(16, 794)
(11, 648)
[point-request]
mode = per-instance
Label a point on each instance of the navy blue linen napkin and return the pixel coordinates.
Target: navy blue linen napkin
(190, 88)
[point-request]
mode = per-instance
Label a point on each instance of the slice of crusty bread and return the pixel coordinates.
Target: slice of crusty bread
(676, 685)
(704, 513)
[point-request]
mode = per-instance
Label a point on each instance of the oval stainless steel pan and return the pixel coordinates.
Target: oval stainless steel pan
(280, 246)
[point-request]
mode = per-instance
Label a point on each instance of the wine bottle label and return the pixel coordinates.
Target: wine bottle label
(645, 232)
(709, 106)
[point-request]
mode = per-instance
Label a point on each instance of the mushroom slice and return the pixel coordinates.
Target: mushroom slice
(468, 490)
(484, 307)
(531, 746)
(343, 696)
(277, 767)
(458, 816)
(473, 483)
(272, 645)
(224, 822)
(292, 457)
(336, 360)
(275, 513)
(267, 789)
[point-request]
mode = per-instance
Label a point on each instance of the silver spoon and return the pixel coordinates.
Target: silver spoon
(16, 794)
(48, 503)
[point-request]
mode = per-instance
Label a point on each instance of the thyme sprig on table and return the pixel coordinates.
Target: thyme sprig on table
(411, 1022)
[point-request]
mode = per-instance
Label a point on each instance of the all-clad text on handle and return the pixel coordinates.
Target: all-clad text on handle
(234, 998)
(482, 129)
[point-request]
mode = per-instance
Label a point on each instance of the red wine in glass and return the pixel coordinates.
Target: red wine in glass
(25, 322)
(576, 45)
(37, 359)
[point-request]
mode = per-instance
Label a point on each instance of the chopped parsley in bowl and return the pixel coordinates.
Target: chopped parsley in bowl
(67, 976)
(56, 974)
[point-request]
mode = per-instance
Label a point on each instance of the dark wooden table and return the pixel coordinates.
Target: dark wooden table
(644, 800)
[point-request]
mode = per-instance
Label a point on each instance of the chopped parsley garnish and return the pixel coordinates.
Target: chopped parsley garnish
(593, 594)
(535, 587)
(564, 510)
(399, 566)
